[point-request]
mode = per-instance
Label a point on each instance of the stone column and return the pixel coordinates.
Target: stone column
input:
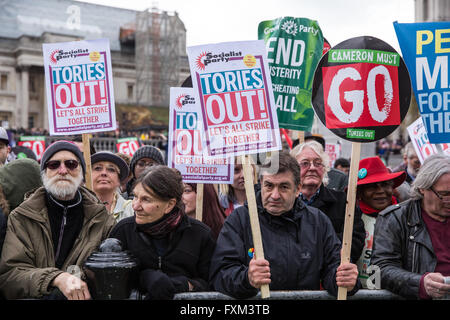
(17, 110)
(25, 97)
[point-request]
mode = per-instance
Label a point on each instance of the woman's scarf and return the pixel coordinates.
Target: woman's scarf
(163, 226)
(365, 208)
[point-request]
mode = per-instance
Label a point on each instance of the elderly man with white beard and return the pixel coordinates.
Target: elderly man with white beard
(53, 231)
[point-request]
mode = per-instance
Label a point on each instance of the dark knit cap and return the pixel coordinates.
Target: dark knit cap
(17, 178)
(111, 157)
(60, 146)
(146, 152)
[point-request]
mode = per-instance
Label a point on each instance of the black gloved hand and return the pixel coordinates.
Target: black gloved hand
(157, 284)
(180, 283)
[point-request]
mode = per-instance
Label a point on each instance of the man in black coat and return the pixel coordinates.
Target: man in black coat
(313, 163)
(301, 248)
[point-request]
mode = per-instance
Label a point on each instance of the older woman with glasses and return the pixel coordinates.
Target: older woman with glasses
(411, 241)
(314, 165)
(108, 170)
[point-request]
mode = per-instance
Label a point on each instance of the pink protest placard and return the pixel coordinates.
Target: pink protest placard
(186, 143)
(235, 93)
(80, 95)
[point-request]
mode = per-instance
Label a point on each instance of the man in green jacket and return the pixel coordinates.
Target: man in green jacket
(51, 234)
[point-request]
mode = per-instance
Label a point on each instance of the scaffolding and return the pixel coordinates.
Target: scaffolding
(160, 42)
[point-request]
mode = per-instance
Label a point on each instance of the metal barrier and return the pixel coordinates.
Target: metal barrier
(363, 294)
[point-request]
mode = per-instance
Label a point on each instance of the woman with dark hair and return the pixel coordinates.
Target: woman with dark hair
(174, 250)
(213, 214)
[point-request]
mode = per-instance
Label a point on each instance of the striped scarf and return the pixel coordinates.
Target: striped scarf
(162, 226)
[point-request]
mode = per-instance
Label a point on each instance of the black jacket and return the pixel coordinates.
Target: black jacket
(3, 223)
(333, 204)
(402, 248)
(189, 252)
(303, 251)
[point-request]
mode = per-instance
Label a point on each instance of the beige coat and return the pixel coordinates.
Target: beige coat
(27, 264)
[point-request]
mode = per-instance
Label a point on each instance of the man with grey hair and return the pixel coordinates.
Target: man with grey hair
(411, 245)
(314, 166)
(53, 231)
(411, 165)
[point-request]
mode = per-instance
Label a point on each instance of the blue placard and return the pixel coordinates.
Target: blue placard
(426, 49)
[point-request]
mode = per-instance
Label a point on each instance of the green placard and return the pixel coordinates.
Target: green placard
(32, 138)
(126, 139)
(294, 48)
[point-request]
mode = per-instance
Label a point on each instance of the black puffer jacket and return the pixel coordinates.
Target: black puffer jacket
(333, 204)
(189, 252)
(402, 248)
(303, 251)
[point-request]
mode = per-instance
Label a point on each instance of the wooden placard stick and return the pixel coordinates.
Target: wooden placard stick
(87, 159)
(254, 220)
(301, 137)
(199, 202)
(349, 212)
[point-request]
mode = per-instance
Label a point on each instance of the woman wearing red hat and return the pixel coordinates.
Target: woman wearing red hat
(374, 193)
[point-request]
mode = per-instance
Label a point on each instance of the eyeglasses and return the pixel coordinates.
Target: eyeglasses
(144, 164)
(305, 164)
(55, 164)
(441, 194)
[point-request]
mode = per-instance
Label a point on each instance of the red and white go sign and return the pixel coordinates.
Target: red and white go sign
(127, 146)
(36, 144)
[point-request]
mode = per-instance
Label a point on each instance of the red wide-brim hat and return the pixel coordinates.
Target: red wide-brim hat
(372, 170)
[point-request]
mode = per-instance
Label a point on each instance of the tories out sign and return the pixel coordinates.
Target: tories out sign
(235, 93)
(78, 79)
(294, 48)
(361, 89)
(426, 50)
(422, 145)
(186, 139)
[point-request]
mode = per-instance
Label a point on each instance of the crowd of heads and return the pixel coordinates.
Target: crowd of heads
(145, 188)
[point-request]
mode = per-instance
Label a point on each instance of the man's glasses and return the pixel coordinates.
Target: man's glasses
(441, 194)
(305, 164)
(55, 164)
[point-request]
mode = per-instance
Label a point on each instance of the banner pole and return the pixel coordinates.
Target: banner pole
(254, 220)
(301, 137)
(87, 159)
(349, 212)
(199, 202)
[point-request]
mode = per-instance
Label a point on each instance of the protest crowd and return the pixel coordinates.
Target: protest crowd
(229, 203)
(45, 204)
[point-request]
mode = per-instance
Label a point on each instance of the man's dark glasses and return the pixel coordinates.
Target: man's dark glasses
(55, 164)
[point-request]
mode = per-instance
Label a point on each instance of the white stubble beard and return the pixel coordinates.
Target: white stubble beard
(62, 190)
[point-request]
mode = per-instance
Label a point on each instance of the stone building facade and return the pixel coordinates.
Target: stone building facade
(26, 24)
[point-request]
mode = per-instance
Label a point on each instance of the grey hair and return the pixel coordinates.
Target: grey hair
(317, 148)
(431, 170)
(409, 150)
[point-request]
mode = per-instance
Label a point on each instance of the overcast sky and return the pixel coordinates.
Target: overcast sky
(235, 20)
